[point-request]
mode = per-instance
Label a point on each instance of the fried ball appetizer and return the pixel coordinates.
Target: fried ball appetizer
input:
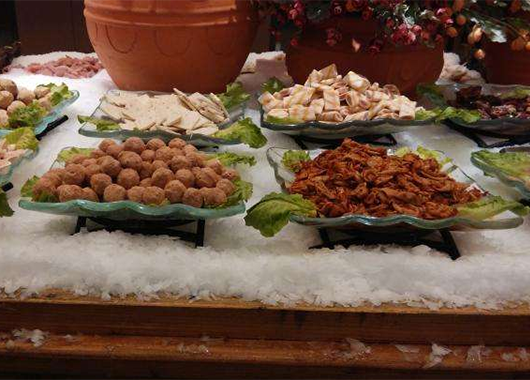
(189, 149)
(136, 194)
(159, 164)
(77, 159)
(130, 160)
(45, 103)
(213, 196)
(206, 177)
(128, 178)
(55, 178)
(177, 143)
(146, 182)
(91, 170)
(174, 191)
(99, 182)
(25, 96)
(105, 144)
(97, 154)
(114, 193)
(110, 166)
(164, 154)
(153, 196)
(6, 98)
(89, 161)
(186, 177)
(230, 174)
(9, 85)
(226, 186)
(161, 177)
(196, 159)
(147, 170)
(70, 192)
(134, 144)
(74, 174)
(90, 195)
(114, 150)
(44, 186)
(215, 165)
(179, 162)
(15, 106)
(192, 197)
(148, 155)
(4, 119)
(41, 91)
(155, 144)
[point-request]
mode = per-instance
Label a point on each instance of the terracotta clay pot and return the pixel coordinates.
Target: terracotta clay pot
(505, 66)
(405, 66)
(194, 45)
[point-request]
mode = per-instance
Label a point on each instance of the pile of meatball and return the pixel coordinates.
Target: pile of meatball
(13, 97)
(151, 173)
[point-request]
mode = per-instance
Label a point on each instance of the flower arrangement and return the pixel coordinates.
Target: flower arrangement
(407, 22)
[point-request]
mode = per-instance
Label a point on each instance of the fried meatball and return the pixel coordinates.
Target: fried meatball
(15, 106)
(90, 195)
(189, 149)
(161, 177)
(110, 166)
(186, 177)
(91, 170)
(148, 155)
(213, 196)
(177, 143)
(4, 118)
(89, 161)
(99, 182)
(192, 197)
(128, 178)
(114, 193)
(153, 196)
(226, 185)
(134, 144)
(25, 96)
(135, 194)
(164, 154)
(196, 159)
(9, 85)
(70, 192)
(74, 175)
(97, 154)
(76, 159)
(130, 160)
(179, 162)
(41, 91)
(44, 186)
(54, 178)
(230, 174)
(206, 178)
(45, 103)
(105, 144)
(158, 164)
(114, 150)
(155, 144)
(177, 152)
(174, 191)
(215, 165)
(146, 182)
(147, 170)
(58, 171)
(196, 170)
(6, 98)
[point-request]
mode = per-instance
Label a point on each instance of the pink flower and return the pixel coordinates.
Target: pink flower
(294, 42)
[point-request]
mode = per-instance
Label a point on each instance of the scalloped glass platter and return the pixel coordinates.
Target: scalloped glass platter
(128, 210)
(90, 130)
(53, 115)
(7, 173)
(502, 175)
(352, 128)
(504, 126)
(394, 223)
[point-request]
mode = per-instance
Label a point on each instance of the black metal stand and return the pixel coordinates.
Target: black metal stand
(385, 140)
(147, 228)
(51, 126)
(525, 202)
(6, 187)
(444, 242)
(475, 135)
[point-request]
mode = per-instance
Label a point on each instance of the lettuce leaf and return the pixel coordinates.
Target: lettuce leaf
(488, 207)
(5, 209)
(234, 95)
(58, 93)
(272, 213)
(67, 154)
(23, 138)
(231, 159)
(101, 124)
(516, 164)
(272, 85)
(244, 131)
(517, 93)
(243, 193)
(433, 93)
(27, 192)
(440, 114)
(424, 153)
(281, 121)
(28, 116)
(292, 158)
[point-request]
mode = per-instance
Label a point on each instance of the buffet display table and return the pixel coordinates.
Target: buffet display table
(247, 306)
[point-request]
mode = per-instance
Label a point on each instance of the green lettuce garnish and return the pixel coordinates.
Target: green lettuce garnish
(242, 193)
(58, 93)
(27, 192)
(244, 131)
(67, 154)
(231, 159)
(101, 124)
(517, 93)
(292, 158)
(272, 213)
(516, 164)
(432, 93)
(272, 85)
(23, 138)
(488, 207)
(234, 95)
(282, 120)
(5, 209)
(424, 153)
(440, 114)
(28, 116)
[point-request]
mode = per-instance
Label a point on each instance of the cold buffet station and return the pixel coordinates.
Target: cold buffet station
(276, 216)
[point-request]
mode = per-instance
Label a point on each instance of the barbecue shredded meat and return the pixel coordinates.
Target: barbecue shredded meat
(361, 179)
